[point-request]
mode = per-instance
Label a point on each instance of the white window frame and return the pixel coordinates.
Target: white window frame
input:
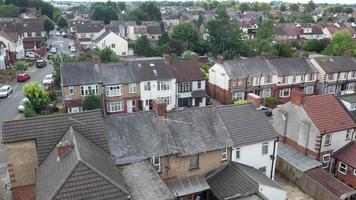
(348, 134)
(237, 153)
(354, 172)
(196, 156)
(281, 92)
(71, 91)
(264, 91)
(327, 139)
(113, 90)
(147, 86)
(238, 96)
(163, 85)
(326, 160)
(340, 168)
(264, 148)
(307, 89)
(329, 91)
(86, 89)
(132, 88)
(330, 77)
(166, 100)
(115, 106)
(156, 163)
(350, 86)
(113, 46)
(224, 154)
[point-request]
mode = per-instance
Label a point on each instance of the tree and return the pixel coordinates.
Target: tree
(351, 19)
(187, 33)
(105, 12)
(314, 45)
(176, 47)
(348, 10)
(310, 6)
(107, 55)
(92, 102)
(294, 7)
(189, 55)
(121, 5)
(47, 23)
(142, 47)
(340, 45)
(56, 62)
(283, 8)
(37, 97)
(265, 30)
(244, 7)
(284, 49)
(305, 18)
(62, 22)
(9, 11)
(148, 11)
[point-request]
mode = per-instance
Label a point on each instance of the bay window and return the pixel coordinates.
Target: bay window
(309, 89)
(114, 90)
(87, 89)
(115, 106)
(132, 88)
(284, 92)
(163, 85)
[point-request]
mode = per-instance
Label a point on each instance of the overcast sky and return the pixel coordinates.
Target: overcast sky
(293, 1)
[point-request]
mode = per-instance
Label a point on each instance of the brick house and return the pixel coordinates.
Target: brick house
(305, 123)
(14, 46)
(344, 164)
(337, 74)
(33, 34)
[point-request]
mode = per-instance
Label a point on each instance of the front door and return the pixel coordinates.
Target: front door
(130, 105)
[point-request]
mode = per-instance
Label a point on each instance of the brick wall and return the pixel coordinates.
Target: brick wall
(27, 192)
(219, 94)
(349, 178)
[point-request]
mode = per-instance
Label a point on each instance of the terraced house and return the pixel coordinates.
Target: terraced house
(123, 87)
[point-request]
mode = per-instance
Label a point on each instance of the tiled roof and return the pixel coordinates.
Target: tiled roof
(48, 130)
(333, 64)
(85, 172)
(331, 183)
(154, 30)
(246, 125)
(347, 154)
(327, 114)
(293, 66)
(187, 70)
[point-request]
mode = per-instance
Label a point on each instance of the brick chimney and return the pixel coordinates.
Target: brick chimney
(297, 97)
(254, 99)
(220, 59)
(160, 107)
(167, 57)
(63, 148)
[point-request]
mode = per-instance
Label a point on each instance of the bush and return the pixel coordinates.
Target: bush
(21, 65)
(52, 95)
(91, 102)
(29, 112)
(9, 72)
(240, 102)
(269, 101)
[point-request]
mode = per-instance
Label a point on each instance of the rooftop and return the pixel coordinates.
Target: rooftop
(333, 64)
(187, 70)
(347, 154)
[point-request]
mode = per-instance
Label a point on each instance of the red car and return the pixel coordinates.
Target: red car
(23, 77)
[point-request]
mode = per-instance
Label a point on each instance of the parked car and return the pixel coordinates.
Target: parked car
(72, 49)
(266, 110)
(22, 104)
(53, 50)
(48, 79)
(70, 45)
(23, 77)
(58, 34)
(41, 63)
(31, 54)
(64, 34)
(5, 91)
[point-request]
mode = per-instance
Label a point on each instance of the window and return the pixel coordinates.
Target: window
(224, 154)
(185, 102)
(345, 75)
(330, 77)
(311, 77)
(266, 93)
(284, 92)
(163, 85)
(238, 96)
(156, 162)
(132, 88)
(194, 162)
(352, 106)
(309, 89)
(263, 170)
(234, 83)
(353, 74)
(294, 78)
(342, 168)
(326, 160)
(199, 85)
(268, 79)
(166, 100)
(115, 106)
(354, 172)
(147, 86)
(185, 87)
(302, 78)
(114, 90)
(86, 89)
(264, 148)
(257, 80)
(331, 89)
(350, 87)
(285, 79)
(327, 139)
(71, 90)
(237, 153)
(348, 134)
(113, 46)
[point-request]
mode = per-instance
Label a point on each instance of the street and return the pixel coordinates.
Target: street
(8, 106)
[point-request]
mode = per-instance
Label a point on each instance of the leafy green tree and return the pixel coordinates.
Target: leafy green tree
(265, 30)
(255, 6)
(47, 23)
(314, 45)
(341, 44)
(142, 47)
(310, 6)
(305, 18)
(348, 10)
(176, 47)
(105, 12)
(56, 62)
(264, 7)
(29, 112)
(9, 11)
(294, 7)
(283, 7)
(62, 22)
(107, 55)
(265, 47)
(121, 5)
(92, 102)
(148, 11)
(37, 97)
(351, 19)
(189, 55)
(284, 49)
(244, 7)
(187, 33)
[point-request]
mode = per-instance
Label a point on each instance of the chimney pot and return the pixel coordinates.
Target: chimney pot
(297, 97)
(167, 58)
(63, 148)
(160, 107)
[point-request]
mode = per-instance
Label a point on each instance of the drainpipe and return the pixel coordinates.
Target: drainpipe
(307, 141)
(273, 157)
(321, 142)
(248, 75)
(285, 127)
(337, 83)
(259, 84)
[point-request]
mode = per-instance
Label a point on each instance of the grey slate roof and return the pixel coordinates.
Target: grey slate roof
(154, 30)
(241, 68)
(230, 181)
(332, 64)
(102, 36)
(48, 130)
(348, 98)
(246, 125)
(293, 66)
(295, 158)
(138, 136)
(85, 172)
(144, 183)
(79, 73)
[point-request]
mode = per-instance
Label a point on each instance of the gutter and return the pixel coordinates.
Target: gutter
(273, 157)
